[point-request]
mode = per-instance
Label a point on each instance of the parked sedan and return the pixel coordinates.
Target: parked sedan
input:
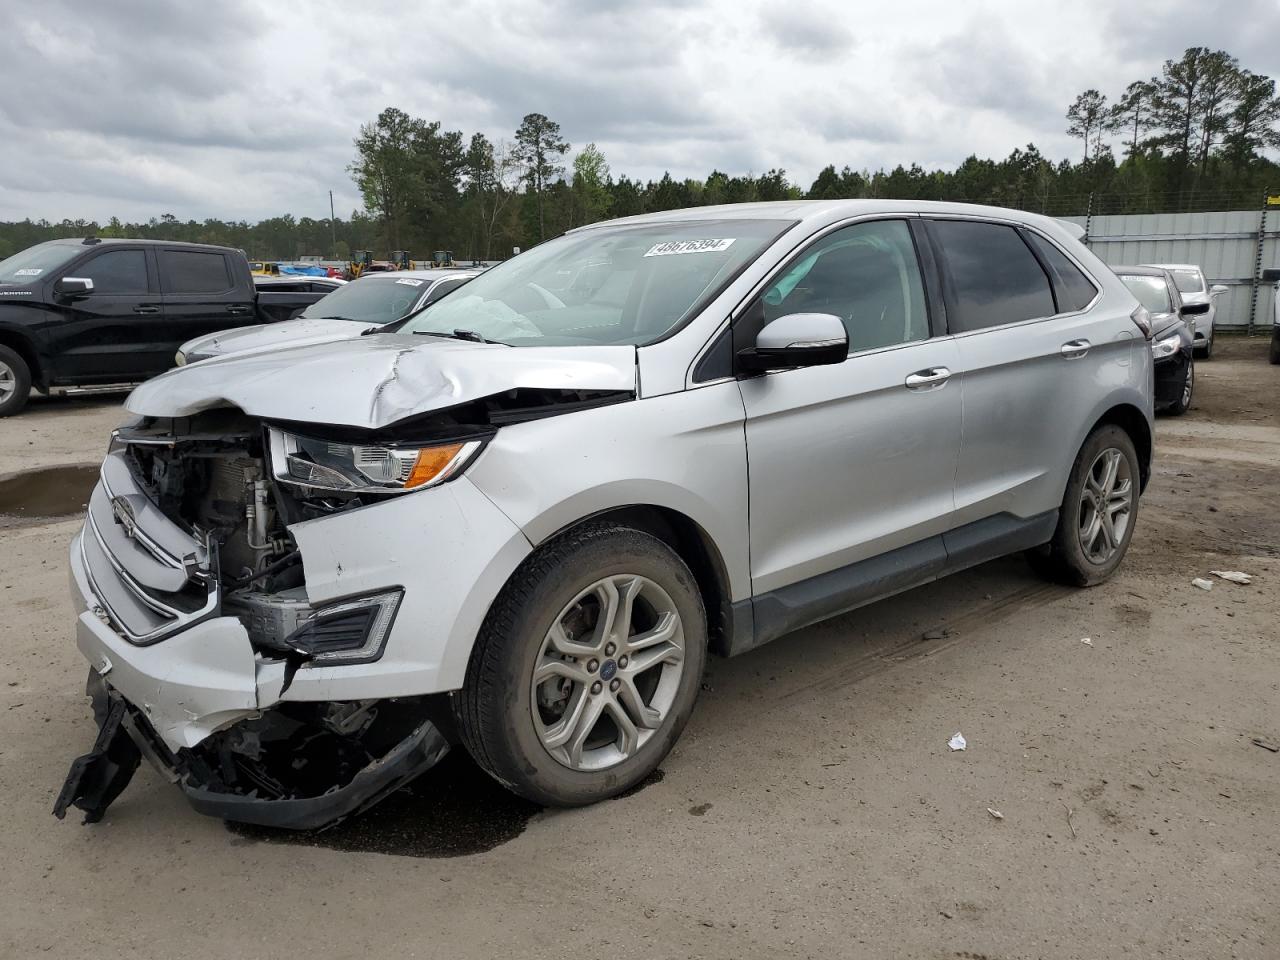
(372, 301)
(1192, 287)
(1172, 334)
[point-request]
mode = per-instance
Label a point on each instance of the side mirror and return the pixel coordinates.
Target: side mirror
(1271, 275)
(1194, 309)
(70, 287)
(1217, 290)
(797, 340)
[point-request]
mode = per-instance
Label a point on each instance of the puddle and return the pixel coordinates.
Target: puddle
(38, 496)
(453, 810)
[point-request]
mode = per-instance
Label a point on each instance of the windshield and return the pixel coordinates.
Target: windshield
(624, 284)
(1188, 281)
(380, 299)
(35, 262)
(1152, 292)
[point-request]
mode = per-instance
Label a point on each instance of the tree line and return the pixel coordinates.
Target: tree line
(1193, 137)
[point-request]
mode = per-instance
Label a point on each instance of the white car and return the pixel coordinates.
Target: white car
(374, 300)
(1194, 289)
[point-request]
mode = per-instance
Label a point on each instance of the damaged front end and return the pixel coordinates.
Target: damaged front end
(299, 766)
(197, 619)
(255, 678)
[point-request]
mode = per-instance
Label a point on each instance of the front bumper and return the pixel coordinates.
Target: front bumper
(1171, 377)
(235, 775)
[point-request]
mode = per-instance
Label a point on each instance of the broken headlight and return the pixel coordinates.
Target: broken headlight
(350, 631)
(366, 468)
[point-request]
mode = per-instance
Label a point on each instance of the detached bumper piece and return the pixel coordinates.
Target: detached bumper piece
(297, 766)
(101, 775)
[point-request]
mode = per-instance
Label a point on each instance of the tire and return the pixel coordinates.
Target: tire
(513, 727)
(1064, 559)
(1181, 405)
(15, 382)
(1274, 356)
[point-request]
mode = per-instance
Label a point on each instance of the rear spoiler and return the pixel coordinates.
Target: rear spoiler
(1076, 231)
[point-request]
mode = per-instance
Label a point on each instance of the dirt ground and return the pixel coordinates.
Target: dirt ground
(812, 808)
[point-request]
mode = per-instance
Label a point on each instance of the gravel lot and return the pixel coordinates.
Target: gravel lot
(812, 808)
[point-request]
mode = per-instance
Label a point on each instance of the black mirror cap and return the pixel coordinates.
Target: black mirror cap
(1194, 309)
(1271, 275)
(758, 360)
(73, 287)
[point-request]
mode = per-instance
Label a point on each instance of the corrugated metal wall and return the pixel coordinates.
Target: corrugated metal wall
(1225, 245)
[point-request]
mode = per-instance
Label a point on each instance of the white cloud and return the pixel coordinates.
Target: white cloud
(247, 110)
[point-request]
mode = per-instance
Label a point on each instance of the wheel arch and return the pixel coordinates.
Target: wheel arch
(22, 345)
(694, 545)
(1134, 422)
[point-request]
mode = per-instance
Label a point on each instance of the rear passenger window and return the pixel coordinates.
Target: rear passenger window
(995, 278)
(117, 271)
(186, 271)
(1073, 289)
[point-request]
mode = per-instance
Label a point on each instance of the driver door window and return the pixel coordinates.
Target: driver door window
(868, 276)
(116, 271)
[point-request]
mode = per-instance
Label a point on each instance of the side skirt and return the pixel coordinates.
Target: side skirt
(771, 615)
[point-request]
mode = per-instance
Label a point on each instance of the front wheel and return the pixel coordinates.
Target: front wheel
(1098, 512)
(586, 668)
(1181, 405)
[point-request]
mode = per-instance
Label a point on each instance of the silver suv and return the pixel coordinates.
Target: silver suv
(521, 521)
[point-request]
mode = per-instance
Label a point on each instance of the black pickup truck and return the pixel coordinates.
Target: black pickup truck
(96, 311)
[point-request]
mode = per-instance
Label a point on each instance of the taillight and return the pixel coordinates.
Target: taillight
(1141, 318)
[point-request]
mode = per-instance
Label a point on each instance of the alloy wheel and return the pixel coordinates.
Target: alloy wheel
(608, 672)
(8, 381)
(1106, 505)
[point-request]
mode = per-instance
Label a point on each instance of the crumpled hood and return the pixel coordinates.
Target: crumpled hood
(267, 336)
(375, 381)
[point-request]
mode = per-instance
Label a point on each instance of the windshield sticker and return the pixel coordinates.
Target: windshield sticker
(29, 272)
(672, 247)
(409, 282)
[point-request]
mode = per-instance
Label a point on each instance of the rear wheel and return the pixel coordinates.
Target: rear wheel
(1098, 513)
(587, 667)
(15, 382)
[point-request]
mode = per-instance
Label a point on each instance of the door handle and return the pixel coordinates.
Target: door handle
(1075, 349)
(237, 308)
(930, 379)
(146, 308)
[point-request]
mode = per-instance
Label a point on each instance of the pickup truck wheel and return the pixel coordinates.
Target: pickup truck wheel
(586, 668)
(1098, 512)
(15, 382)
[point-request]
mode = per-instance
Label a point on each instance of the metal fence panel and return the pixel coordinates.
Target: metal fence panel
(1223, 243)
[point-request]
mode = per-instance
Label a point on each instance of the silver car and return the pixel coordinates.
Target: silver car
(374, 300)
(522, 521)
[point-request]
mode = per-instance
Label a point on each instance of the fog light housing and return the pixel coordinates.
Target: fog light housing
(349, 631)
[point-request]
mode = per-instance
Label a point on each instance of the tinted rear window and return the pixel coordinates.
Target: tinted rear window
(186, 271)
(1074, 290)
(995, 278)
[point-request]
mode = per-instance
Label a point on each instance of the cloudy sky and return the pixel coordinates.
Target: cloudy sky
(247, 108)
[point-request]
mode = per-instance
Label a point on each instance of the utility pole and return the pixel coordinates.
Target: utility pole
(333, 229)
